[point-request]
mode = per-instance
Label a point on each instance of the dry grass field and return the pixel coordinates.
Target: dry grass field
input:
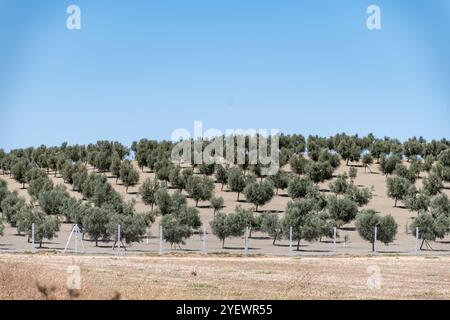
(192, 277)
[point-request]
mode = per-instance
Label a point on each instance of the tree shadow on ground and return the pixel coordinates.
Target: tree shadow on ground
(240, 248)
(331, 241)
(389, 252)
(435, 250)
(284, 195)
(260, 238)
(355, 165)
(348, 228)
(270, 211)
(19, 235)
(313, 250)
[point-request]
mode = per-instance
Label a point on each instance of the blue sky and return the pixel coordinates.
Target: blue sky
(145, 68)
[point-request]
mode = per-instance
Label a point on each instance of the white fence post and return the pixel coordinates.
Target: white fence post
(118, 239)
(160, 240)
(33, 247)
(334, 239)
(204, 241)
(375, 240)
(246, 241)
(417, 241)
(290, 241)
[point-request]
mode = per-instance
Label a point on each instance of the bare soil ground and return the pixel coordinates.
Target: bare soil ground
(194, 277)
(260, 244)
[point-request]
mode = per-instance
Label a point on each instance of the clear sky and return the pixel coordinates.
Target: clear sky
(145, 68)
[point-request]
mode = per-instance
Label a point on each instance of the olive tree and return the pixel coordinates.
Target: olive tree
(36, 186)
(95, 224)
(236, 181)
(177, 180)
(116, 165)
(340, 185)
(52, 201)
(280, 180)
(352, 173)
(217, 203)
(299, 187)
(388, 164)
(402, 171)
(206, 169)
(148, 190)
(45, 227)
(430, 227)
(361, 196)
(259, 193)
(221, 175)
(397, 188)
(416, 200)
(200, 188)
(432, 184)
(349, 150)
(11, 206)
(270, 223)
(19, 171)
(319, 171)
(368, 219)
(227, 225)
(128, 175)
(367, 160)
(342, 210)
(180, 224)
(298, 164)
(164, 201)
(174, 232)
(132, 227)
(302, 216)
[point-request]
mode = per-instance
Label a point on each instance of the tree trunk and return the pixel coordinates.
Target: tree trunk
(373, 245)
(196, 203)
(274, 240)
(221, 188)
(347, 162)
(127, 190)
(96, 242)
(238, 196)
(395, 203)
(117, 179)
(298, 244)
(40, 243)
(256, 208)
(223, 243)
